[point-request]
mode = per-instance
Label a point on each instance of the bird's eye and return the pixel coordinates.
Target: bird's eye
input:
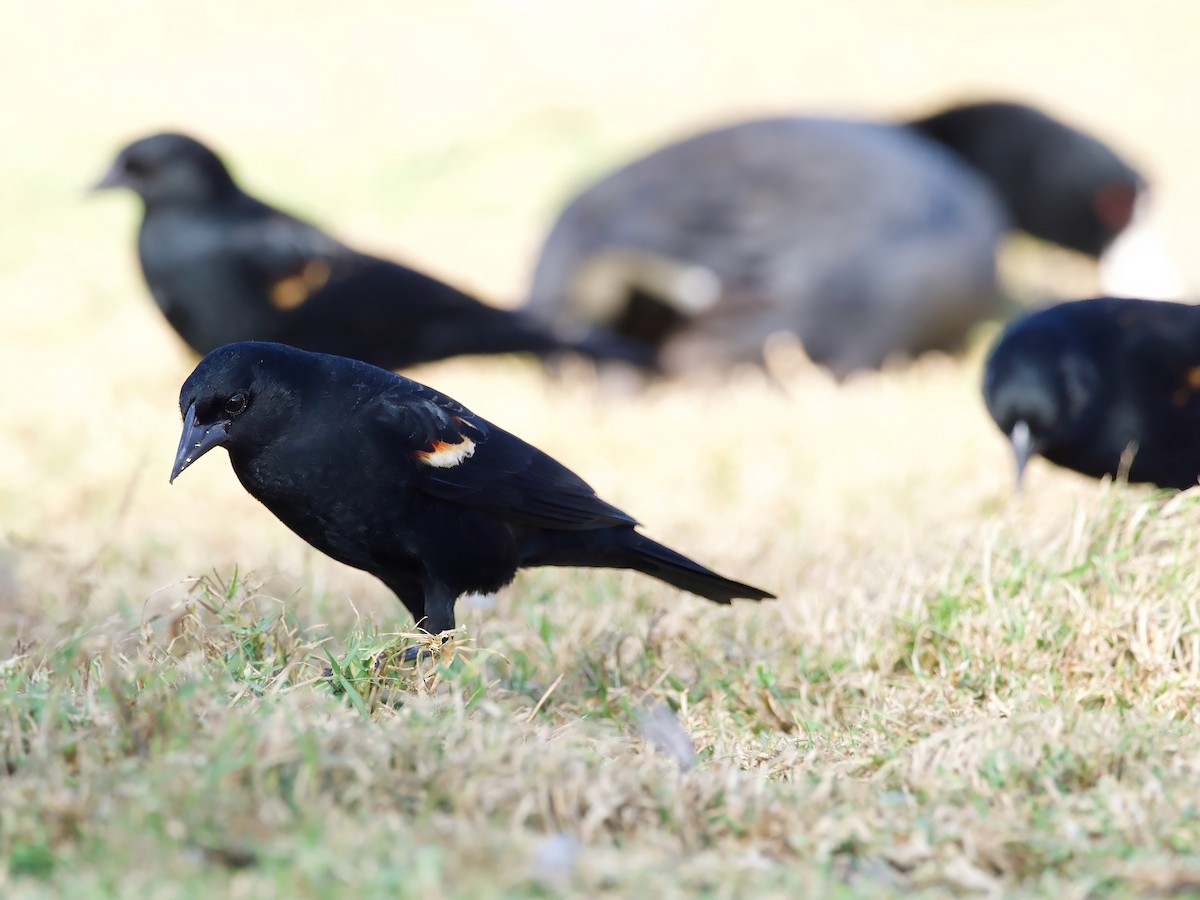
(136, 167)
(235, 404)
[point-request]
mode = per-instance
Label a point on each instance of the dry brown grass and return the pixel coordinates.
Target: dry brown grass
(958, 690)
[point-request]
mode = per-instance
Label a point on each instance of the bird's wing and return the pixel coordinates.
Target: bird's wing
(463, 459)
(290, 258)
(1160, 352)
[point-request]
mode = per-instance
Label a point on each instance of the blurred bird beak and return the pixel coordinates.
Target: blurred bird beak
(113, 178)
(1022, 444)
(197, 440)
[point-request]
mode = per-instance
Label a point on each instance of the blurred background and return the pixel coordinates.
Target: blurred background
(446, 135)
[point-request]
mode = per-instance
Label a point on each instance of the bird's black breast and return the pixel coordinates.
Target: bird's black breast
(198, 283)
(359, 499)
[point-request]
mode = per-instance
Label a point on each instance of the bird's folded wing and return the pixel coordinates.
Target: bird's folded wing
(292, 259)
(464, 459)
(544, 494)
(1160, 350)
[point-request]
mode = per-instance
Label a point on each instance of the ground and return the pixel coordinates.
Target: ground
(959, 689)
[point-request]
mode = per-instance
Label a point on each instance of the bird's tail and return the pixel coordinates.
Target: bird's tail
(675, 569)
(624, 548)
(518, 331)
(604, 345)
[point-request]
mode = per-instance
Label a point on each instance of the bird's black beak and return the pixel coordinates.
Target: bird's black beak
(113, 178)
(1022, 444)
(197, 440)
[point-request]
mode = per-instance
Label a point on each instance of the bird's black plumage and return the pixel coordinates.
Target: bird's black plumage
(224, 267)
(1084, 383)
(384, 474)
(866, 240)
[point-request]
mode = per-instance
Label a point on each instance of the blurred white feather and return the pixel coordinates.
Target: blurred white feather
(1138, 264)
(659, 726)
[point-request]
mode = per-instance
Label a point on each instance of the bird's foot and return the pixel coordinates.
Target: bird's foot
(415, 652)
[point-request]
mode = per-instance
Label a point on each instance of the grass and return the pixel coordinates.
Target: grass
(959, 690)
(1020, 720)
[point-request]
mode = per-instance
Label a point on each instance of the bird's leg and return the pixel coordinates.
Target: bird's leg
(439, 617)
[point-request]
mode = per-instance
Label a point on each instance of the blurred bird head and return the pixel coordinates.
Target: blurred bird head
(1058, 184)
(241, 396)
(1038, 390)
(169, 169)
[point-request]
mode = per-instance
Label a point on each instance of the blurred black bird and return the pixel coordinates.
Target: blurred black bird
(225, 267)
(385, 475)
(865, 240)
(1094, 385)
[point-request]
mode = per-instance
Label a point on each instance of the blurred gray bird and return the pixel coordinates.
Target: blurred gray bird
(865, 240)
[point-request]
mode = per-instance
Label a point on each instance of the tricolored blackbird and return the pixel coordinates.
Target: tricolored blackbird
(1094, 385)
(386, 475)
(223, 267)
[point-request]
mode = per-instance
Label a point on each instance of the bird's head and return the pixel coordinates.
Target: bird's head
(1059, 184)
(169, 169)
(1039, 390)
(242, 396)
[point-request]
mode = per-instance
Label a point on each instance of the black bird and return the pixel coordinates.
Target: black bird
(864, 239)
(224, 267)
(385, 475)
(1094, 385)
